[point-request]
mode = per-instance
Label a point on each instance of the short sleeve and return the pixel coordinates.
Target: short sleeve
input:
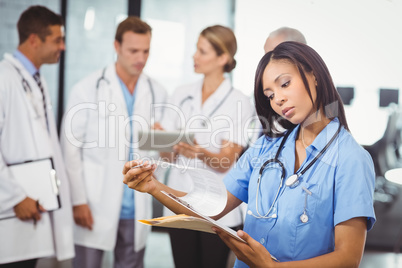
(354, 187)
(238, 178)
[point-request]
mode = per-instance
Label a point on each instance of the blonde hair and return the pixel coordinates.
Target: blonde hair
(223, 41)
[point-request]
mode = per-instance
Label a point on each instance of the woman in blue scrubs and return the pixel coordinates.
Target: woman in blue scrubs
(308, 184)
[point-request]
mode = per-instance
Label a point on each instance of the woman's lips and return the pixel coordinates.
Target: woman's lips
(288, 111)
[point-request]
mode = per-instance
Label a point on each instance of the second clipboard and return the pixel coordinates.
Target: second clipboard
(162, 141)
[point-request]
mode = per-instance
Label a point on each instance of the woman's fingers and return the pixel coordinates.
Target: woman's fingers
(130, 164)
(135, 176)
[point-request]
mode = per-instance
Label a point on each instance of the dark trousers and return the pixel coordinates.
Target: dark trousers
(124, 254)
(198, 249)
(20, 264)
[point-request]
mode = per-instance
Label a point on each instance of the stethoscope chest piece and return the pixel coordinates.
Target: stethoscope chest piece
(292, 180)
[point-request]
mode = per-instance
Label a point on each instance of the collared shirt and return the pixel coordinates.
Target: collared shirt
(341, 184)
(127, 206)
(25, 62)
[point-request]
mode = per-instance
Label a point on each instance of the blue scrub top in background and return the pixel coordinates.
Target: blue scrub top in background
(128, 206)
(341, 183)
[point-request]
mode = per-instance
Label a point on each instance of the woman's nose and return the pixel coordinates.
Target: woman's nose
(279, 99)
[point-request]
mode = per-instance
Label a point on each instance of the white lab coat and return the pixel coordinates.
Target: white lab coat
(229, 122)
(23, 137)
(95, 151)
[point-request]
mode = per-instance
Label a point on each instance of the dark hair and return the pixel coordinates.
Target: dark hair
(133, 24)
(223, 41)
(306, 60)
(36, 20)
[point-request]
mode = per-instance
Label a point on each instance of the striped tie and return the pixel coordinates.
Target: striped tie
(37, 79)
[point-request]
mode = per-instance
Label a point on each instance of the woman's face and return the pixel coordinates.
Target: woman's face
(206, 60)
(284, 87)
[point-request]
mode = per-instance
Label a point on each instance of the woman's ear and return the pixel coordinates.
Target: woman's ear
(315, 80)
(223, 59)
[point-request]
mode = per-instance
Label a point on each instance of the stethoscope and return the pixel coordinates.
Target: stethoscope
(292, 181)
(103, 80)
(28, 91)
(203, 123)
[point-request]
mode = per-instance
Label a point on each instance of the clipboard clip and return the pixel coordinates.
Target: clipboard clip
(55, 181)
(178, 200)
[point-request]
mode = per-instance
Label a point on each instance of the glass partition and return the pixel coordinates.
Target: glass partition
(176, 26)
(90, 30)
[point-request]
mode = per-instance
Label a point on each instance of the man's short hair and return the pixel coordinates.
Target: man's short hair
(36, 20)
(131, 24)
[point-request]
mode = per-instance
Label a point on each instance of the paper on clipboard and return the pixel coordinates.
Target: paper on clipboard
(163, 141)
(39, 181)
(208, 194)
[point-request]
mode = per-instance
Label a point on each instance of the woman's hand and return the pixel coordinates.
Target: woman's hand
(189, 151)
(252, 252)
(140, 178)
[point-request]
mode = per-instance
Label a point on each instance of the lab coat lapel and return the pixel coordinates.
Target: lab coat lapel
(116, 96)
(216, 98)
(197, 106)
(142, 108)
(143, 98)
(36, 93)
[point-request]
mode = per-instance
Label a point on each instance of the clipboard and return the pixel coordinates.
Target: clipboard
(162, 141)
(209, 221)
(39, 181)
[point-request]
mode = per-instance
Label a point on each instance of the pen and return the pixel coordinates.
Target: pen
(137, 166)
(37, 207)
(140, 165)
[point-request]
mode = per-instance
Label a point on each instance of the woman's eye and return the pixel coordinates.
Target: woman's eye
(286, 84)
(270, 96)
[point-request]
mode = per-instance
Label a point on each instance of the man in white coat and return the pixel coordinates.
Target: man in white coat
(28, 133)
(105, 112)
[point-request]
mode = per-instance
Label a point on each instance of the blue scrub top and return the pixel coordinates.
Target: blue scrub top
(341, 183)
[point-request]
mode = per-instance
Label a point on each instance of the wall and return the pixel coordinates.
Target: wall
(359, 40)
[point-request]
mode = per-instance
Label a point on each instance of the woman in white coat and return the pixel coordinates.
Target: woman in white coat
(28, 133)
(218, 114)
